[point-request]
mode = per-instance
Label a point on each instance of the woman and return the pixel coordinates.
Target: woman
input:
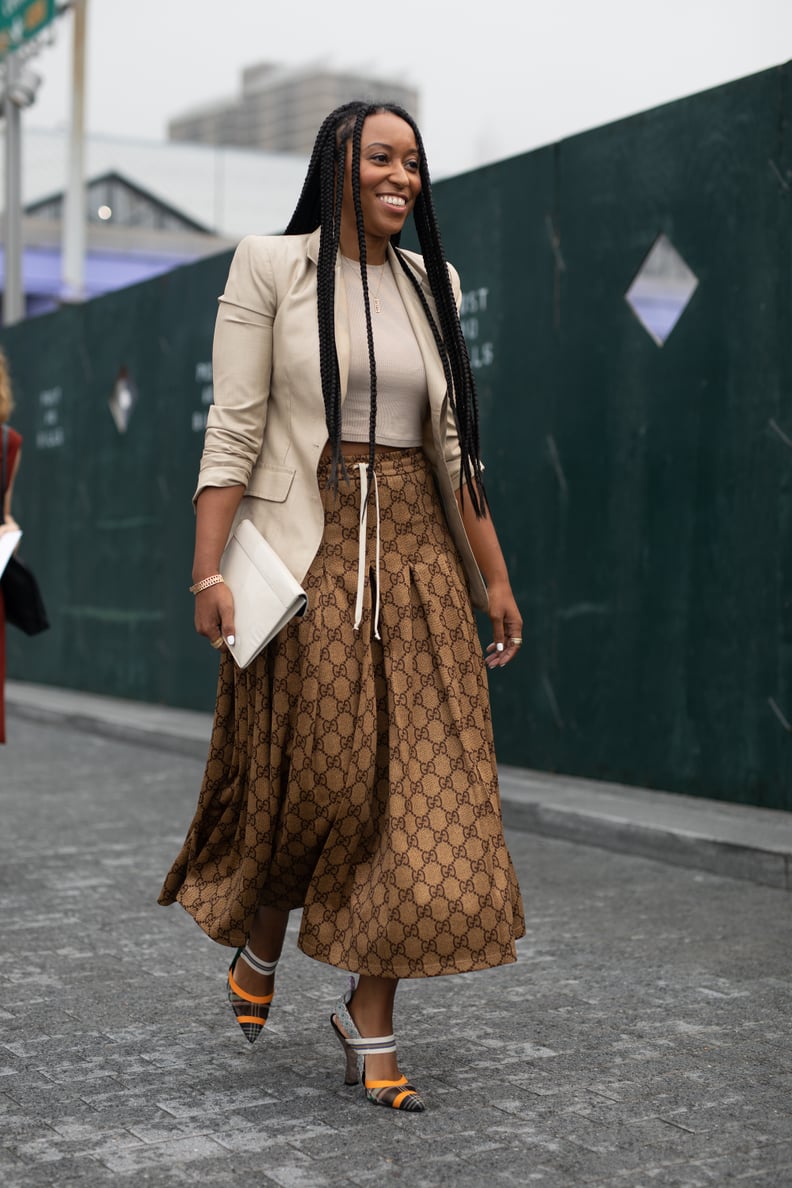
(351, 771)
(12, 444)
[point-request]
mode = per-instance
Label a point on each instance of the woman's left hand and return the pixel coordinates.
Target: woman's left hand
(506, 627)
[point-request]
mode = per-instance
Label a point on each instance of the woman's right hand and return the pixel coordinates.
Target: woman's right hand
(214, 615)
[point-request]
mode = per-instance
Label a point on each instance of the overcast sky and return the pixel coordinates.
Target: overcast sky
(496, 77)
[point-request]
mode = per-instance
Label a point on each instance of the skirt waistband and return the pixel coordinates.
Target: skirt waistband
(392, 463)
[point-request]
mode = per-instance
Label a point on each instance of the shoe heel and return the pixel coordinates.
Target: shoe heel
(351, 1069)
(396, 1094)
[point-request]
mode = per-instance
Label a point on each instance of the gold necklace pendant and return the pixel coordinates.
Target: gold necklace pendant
(375, 299)
(376, 304)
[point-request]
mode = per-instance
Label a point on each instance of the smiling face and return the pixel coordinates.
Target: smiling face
(390, 182)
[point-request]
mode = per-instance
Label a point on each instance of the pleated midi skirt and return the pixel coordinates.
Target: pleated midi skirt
(354, 777)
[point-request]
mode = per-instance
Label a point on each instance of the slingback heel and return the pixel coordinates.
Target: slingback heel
(351, 1067)
(398, 1094)
(251, 1010)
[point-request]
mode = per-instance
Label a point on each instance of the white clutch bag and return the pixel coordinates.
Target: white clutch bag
(266, 595)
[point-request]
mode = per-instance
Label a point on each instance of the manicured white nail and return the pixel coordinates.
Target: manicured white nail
(230, 639)
(499, 647)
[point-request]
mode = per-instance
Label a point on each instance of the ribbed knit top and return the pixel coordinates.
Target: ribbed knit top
(402, 394)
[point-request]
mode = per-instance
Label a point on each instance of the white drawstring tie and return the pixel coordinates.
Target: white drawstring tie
(363, 470)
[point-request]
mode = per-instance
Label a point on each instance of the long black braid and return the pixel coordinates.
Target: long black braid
(319, 206)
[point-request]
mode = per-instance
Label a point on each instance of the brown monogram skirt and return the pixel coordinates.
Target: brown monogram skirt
(355, 777)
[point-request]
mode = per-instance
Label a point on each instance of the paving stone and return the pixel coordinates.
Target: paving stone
(643, 1038)
(126, 1160)
(68, 1173)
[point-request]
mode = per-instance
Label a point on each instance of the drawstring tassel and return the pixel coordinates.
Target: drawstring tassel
(377, 558)
(364, 494)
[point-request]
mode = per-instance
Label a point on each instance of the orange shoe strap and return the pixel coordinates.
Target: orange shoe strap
(249, 997)
(386, 1084)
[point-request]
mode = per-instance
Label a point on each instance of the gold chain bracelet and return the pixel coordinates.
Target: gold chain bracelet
(206, 582)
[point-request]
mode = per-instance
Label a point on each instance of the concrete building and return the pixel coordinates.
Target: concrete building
(281, 108)
(150, 207)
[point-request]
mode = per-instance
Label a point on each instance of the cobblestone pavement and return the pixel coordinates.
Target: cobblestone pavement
(643, 1037)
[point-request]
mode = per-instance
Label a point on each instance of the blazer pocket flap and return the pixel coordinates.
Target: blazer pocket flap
(271, 482)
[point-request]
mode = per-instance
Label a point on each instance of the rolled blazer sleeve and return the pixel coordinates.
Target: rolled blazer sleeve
(241, 369)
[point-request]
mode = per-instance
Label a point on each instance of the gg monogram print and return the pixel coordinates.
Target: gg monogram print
(355, 777)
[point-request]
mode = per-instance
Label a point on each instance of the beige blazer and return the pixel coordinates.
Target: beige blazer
(266, 428)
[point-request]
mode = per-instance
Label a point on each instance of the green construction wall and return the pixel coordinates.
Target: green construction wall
(642, 494)
(107, 517)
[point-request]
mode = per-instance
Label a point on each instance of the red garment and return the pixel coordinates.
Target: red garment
(12, 449)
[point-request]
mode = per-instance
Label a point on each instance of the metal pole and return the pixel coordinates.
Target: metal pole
(13, 297)
(73, 245)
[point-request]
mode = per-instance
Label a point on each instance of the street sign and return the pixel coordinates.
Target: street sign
(22, 19)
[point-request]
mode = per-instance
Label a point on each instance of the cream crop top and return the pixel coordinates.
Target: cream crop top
(402, 393)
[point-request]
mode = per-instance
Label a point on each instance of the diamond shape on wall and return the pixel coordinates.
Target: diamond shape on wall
(123, 400)
(661, 290)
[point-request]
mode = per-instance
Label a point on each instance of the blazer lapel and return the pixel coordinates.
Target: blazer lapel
(435, 376)
(340, 313)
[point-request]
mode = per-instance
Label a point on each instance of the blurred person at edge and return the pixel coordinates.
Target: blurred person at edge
(13, 455)
(352, 771)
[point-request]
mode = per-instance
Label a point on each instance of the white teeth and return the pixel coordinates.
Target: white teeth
(392, 199)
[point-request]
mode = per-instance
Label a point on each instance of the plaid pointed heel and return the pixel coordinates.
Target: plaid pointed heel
(397, 1094)
(251, 1010)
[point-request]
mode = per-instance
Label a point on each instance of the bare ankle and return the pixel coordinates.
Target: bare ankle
(267, 932)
